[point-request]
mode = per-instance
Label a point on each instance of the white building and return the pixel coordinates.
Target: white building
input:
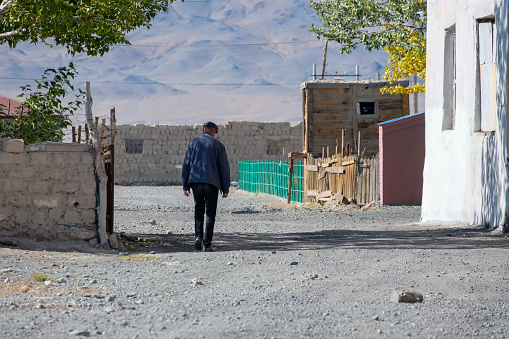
(466, 168)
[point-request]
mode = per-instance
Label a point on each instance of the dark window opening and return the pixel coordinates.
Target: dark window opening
(367, 108)
(134, 146)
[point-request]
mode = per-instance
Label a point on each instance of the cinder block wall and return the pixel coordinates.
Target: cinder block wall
(48, 191)
(154, 154)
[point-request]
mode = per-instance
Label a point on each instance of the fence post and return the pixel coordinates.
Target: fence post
(290, 179)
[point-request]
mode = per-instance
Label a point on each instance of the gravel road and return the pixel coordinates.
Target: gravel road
(279, 271)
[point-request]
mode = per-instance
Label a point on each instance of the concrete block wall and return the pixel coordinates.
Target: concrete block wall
(48, 191)
(160, 157)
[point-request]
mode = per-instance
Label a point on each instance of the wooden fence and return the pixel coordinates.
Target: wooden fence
(368, 180)
(344, 179)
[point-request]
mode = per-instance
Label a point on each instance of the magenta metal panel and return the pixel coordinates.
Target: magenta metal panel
(402, 151)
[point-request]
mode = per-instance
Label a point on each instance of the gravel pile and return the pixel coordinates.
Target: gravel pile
(279, 271)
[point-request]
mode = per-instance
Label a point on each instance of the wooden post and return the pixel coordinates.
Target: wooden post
(103, 131)
(99, 167)
(306, 179)
(342, 143)
(110, 172)
(79, 134)
(73, 134)
(87, 133)
(359, 145)
(290, 180)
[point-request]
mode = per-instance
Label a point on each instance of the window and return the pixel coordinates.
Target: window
(486, 92)
(275, 147)
(134, 146)
(367, 108)
(449, 79)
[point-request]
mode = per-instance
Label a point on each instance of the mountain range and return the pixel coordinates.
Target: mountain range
(218, 60)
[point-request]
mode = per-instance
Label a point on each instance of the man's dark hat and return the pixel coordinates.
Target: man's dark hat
(210, 124)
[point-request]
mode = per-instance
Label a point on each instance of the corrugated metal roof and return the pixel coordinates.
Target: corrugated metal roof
(10, 104)
(403, 117)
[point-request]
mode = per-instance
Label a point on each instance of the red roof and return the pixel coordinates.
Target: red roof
(10, 104)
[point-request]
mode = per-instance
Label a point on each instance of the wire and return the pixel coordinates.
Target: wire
(224, 45)
(167, 84)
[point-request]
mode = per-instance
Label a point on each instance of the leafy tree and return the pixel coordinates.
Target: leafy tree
(82, 26)
(42, 116)
(88, 26)
(397, 26)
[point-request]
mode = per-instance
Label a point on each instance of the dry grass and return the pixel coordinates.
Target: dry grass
(37, 288)
(282, 205)
(139, 257)
(40, 277)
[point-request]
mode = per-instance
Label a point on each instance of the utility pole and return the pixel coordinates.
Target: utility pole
(415, 104)
(324, 58)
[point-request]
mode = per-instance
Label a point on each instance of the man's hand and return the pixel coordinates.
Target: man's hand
(186, 193)
(225, 195)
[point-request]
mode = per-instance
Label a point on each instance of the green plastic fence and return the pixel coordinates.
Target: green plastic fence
(271, 177)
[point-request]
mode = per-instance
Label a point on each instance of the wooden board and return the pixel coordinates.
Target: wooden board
(329, 97)
(324, 194)
(312, 193)
(335, 169)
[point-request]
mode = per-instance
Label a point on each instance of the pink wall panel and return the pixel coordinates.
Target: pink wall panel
(402, 152)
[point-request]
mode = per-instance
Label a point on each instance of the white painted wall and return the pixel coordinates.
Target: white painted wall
(465, 173)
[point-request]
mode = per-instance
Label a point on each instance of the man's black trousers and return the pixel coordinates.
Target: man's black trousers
(205, 203)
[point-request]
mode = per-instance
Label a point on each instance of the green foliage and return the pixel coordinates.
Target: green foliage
(85, 26)
(375, 24)
(397, 26)
(42, 116)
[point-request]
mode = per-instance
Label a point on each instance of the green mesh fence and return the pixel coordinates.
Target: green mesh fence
(271, 177)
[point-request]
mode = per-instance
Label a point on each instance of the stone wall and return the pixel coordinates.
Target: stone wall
(48, 191)
(154, 154)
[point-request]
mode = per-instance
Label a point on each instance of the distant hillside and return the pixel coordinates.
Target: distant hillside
(217, 60)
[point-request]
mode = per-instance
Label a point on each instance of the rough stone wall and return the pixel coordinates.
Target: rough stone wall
(48, 191)
(154, 154)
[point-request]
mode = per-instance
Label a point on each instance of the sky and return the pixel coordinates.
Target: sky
(218, 60)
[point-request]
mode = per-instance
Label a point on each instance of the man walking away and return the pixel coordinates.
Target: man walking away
(205, 171)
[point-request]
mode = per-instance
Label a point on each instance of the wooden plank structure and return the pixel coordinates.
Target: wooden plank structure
(335, 111)
(337, 175)
(349, 179)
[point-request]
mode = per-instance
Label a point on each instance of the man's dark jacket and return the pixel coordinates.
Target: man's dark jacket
(206, 162)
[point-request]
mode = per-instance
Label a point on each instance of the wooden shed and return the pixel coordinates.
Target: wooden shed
(335, 111)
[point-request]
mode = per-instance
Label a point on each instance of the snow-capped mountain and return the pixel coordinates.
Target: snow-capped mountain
(213, 60)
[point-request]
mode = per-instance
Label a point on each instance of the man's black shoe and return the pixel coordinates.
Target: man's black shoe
(197, 243)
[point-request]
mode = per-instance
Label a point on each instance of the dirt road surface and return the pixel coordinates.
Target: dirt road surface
(279, 271)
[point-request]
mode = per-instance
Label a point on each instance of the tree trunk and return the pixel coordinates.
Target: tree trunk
(99, 168)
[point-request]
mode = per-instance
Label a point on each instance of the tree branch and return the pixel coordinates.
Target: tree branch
(6, 35)
(3, 7)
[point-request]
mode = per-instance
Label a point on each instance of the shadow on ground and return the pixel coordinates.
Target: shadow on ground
(454, 238)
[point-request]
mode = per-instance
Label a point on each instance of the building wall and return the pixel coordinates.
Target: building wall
(154, 154)
(402, 151)
(329, 107)
(465, 173)
(48, 191)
